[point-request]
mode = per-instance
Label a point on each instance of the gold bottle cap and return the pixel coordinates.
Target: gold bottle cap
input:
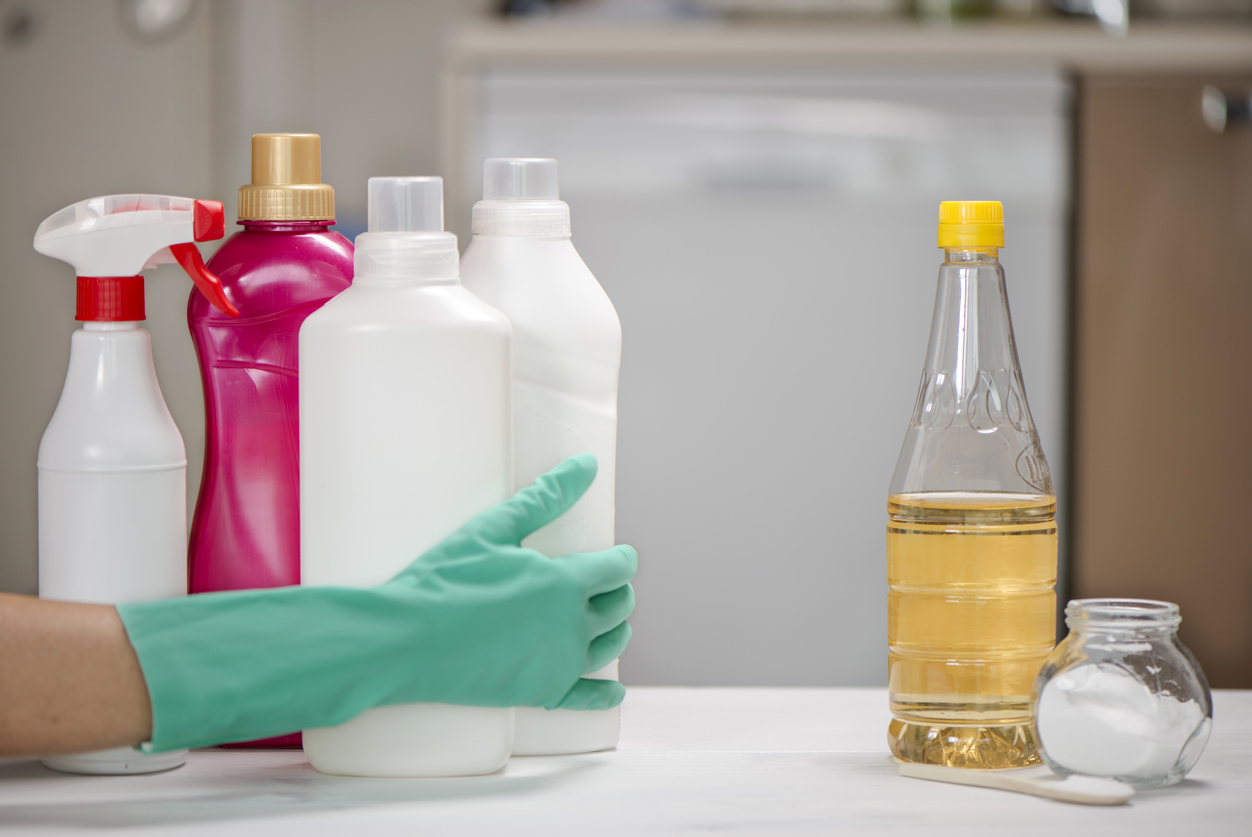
(286, 180)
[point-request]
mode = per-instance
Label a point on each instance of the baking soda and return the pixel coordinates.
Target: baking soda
(1101, 720)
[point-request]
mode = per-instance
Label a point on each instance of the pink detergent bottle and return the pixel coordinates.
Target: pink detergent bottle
(283, 266)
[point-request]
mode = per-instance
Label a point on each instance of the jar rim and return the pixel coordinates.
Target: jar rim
(1121, 613)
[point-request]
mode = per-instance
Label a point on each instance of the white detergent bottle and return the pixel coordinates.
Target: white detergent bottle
(567, 351)
(112, 467)
(405, 434)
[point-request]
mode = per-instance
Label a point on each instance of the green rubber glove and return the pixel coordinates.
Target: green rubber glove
(477, 621)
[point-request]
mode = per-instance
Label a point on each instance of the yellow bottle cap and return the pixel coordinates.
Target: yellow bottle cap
(286, 180)
(971, 224)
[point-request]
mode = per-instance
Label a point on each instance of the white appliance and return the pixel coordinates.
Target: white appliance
(768, 240)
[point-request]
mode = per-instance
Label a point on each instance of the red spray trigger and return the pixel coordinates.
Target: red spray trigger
(189, 257)
(208, 220)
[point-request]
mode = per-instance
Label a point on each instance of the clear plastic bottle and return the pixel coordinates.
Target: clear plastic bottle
(971, 537)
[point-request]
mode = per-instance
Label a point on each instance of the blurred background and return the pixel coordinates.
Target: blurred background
(755, 183)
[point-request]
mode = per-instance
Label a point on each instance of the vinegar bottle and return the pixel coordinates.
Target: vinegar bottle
(971, 537)
(405, 434)
(567, 350)
(284, 265)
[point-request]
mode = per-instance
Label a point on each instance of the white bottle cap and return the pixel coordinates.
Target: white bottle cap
(406, 238)
(520, 179)
(405, 204)
(521, 198)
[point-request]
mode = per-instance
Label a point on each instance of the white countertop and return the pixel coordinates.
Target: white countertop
(744, 761)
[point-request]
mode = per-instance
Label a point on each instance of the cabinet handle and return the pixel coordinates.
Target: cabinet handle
(1223, 109)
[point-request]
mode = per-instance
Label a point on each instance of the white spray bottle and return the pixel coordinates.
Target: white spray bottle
(567, 350)
(112, 467)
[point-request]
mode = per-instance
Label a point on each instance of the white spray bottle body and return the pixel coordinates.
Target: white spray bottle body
(112, 477)
(112, 497)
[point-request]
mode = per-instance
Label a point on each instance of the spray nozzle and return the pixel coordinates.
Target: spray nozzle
(122, 235)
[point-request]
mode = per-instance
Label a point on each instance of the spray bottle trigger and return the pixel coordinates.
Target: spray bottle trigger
(188, 257)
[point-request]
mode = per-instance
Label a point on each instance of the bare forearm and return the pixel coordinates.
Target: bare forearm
(69, 680)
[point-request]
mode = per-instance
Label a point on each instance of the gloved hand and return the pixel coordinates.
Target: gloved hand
(477, 621)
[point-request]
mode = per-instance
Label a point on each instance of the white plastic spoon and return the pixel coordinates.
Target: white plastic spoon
(1084, 790)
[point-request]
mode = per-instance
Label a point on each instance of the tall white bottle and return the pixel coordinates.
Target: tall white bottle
(112, 466)
(405, 434)
(567, 352)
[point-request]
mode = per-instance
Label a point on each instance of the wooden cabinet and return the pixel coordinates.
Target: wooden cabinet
(1163, 360)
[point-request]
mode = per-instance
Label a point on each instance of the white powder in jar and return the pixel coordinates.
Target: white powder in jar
(1101, 720)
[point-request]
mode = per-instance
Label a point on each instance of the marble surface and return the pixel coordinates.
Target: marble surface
(741, 761)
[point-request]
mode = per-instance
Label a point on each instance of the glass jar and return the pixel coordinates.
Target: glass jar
(1121, 697)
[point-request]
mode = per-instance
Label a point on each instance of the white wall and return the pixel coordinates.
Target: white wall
(768, 239)
(85, 111)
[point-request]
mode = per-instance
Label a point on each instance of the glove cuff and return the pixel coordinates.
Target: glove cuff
(252, 664)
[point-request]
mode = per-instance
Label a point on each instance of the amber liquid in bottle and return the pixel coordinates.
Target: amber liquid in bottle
(971, 618)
